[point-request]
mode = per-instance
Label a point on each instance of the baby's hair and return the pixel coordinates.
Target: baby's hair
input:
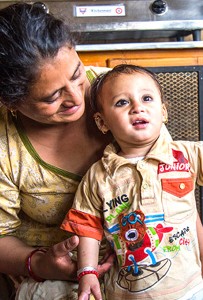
(98, 84)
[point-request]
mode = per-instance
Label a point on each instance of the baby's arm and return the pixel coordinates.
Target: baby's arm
(88, 251)
(200, 238)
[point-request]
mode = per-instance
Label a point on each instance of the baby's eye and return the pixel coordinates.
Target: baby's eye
(147, 98)
(121, 102)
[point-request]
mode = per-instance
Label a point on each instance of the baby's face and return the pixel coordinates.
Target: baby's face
(132, 109)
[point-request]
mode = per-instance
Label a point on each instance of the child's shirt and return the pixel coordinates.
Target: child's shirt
(147, 211)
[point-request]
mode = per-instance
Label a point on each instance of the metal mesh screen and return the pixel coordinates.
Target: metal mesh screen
(181, 91)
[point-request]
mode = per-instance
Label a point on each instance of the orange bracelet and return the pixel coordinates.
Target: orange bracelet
(29, 268)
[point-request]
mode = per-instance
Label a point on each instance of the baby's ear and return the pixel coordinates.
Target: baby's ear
(165, 114)
(100, 123)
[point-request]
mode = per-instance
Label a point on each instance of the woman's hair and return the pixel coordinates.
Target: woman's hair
(28, 36)
(117, 70)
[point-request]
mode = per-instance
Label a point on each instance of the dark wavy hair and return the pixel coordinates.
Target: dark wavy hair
(28, 36)
(117, 70)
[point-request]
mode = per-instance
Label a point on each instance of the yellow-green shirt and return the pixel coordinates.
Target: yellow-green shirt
(34, 195)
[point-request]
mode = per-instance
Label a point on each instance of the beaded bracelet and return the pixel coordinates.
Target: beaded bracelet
(29, 268)
(85, 271)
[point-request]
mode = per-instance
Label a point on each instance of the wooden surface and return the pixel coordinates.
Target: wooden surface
(146, 58)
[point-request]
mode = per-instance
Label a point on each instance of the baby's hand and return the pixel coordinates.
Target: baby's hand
(89, 284)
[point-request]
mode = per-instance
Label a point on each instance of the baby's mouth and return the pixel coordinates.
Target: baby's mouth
(137, 122)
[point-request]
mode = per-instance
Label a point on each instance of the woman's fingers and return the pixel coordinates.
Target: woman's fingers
(63, 248)
(106, 264)
(57, 262)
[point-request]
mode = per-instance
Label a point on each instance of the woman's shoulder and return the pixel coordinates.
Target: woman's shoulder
(92, 72)
(3, 111)
(5, 119)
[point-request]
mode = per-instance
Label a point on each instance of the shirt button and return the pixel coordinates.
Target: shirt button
(145, 186)
(141, 165)
(182, 186)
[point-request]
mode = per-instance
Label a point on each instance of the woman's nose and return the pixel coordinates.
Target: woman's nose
(72, 93)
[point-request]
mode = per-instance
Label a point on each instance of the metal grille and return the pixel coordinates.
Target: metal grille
(182, 94)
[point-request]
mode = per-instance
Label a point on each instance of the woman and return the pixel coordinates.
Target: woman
(47, 142)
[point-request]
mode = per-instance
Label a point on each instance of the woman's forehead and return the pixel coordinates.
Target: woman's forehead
(54, 71)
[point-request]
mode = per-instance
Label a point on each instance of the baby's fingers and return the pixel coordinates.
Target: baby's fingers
(84, 296)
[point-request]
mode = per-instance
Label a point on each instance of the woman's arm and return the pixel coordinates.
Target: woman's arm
(200, 239)
(13, 254)
(88, 252)
(56, 263)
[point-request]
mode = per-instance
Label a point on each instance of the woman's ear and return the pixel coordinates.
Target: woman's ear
(165, 114)
(100, 123)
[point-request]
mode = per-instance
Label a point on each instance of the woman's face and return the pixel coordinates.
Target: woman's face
(59, 92)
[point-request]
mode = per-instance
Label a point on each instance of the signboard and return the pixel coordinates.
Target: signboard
(100, 10)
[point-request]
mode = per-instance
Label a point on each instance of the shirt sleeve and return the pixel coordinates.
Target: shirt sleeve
(86, 216)
(83, 224)
(198, 152)
(9, 193)
(93, 72)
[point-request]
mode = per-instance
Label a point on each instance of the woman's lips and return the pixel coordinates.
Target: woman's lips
(70, 110)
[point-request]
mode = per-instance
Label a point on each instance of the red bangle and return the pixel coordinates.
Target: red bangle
(85, 271)
(29, 268)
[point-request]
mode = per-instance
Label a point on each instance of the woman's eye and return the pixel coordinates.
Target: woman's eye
(54, 97)
(76, 75)
(147, 98)
(121, 102)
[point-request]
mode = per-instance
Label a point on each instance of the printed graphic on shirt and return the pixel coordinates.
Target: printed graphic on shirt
(147, 248)
(119, 203)
(135, 243)
(181, 164)
(141, 241)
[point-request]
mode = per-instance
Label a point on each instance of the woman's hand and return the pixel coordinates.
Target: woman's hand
(56, 263)
(106, 263)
